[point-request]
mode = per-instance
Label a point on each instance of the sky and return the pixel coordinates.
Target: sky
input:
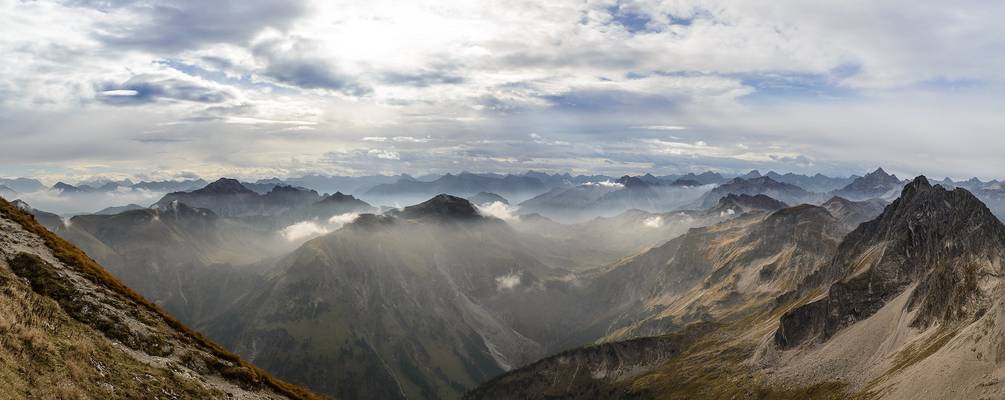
(254, 89)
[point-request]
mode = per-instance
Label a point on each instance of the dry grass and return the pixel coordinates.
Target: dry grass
(73, 257)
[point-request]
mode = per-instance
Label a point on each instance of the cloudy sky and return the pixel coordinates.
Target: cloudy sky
(251, 88)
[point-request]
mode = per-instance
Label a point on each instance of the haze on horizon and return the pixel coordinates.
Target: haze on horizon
(170, 89)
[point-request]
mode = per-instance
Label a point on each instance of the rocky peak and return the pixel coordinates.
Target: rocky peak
(879, 176)
(748, 202)
(339, 197)
(944, 242)
(873, 184)
(286, 189)
(633, 182)
(441, 207)
(225, 186)
(65, 187)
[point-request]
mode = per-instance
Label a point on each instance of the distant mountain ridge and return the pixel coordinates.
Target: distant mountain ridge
(876, 184)
(229, 197)
(785, 192)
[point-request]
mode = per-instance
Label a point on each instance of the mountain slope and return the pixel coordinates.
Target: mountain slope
(916, 241)
(421, 303)
(853, 213)
(49, 220)
(714, 273)
(70, 330)
(605, 240)
(910, 306)
(919, 289)
(187, 260)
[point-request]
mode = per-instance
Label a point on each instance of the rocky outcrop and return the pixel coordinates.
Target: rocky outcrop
(68, 329)
(853, 213)
(947, 243)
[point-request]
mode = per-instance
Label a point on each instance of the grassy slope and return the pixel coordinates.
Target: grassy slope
(73, 257)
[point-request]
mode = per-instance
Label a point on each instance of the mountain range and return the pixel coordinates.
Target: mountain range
(903, 306)
(631, 287)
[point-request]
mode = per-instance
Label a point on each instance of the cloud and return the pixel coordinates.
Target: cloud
(509, 281)
(339, 220)
(662, 127)
(384, 154)
(56, 202)
(642, 86)
(654, 222)
(304, 230)
(149, 88)
(294, 61)
(498, 209)
(186, 24)
(606, 184)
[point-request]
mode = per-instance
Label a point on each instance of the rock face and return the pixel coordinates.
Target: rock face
(853, 213)
(713, 272)
(947, 243)
(71, 330)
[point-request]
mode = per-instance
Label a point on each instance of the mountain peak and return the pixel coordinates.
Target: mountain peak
(64, 186)
(339, 197)
(935, 239)
(224, 186)
(441, 206)
(633, 181)
(748, 202)
(879, 172)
